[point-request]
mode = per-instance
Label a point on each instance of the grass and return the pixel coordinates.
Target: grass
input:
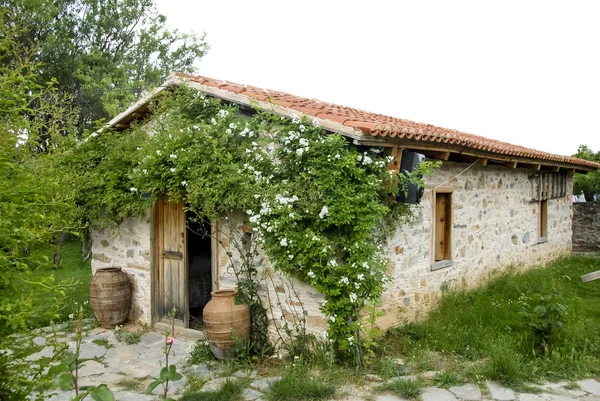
(131, 385)
(388, 368)
(200, 354)
(301, 383)
(71, 271)
(230, 391)
(410, 389)
(447, 379)
(484, 328)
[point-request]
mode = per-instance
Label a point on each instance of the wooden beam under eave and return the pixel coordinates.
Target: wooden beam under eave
(436, 155)
(531, 166)
(552, 169)
(505, 163)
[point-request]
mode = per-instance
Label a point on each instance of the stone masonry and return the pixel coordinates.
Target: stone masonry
(586, 227)
(494, 226)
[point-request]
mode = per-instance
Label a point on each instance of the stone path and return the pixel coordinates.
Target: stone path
(128, 369)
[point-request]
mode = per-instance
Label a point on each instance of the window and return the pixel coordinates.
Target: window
(442, 227)
(543, 221)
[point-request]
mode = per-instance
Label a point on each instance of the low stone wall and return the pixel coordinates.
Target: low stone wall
(586, 227)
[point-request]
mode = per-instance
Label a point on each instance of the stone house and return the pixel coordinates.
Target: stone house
(489, 206)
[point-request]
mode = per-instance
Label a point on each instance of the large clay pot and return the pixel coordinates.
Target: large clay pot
(110, 296)
(223, 319)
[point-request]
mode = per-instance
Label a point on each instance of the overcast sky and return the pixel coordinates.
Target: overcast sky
(525, 72)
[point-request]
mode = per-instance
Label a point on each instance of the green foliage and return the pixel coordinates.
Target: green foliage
(588, 183)
(406, 388)
(446, 379)
(128, 337)
(319, 206)
(230, 391)
(300, 382)
(387, 367)
(545, 314)
(200, 353)
(484, 328)
(103, 53)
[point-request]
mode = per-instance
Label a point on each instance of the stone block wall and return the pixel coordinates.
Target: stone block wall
(494, 226)
(586, 227)
(129, 248)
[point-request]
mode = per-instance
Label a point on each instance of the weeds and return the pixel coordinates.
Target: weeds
(129, 337)
(200, 353)
(388, 368)
(103, 342)
(299, 383)
(230, 391)
(410, 389)
(447, 379)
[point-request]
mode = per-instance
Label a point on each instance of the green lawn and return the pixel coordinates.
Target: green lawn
(71, 271)
(486, 332)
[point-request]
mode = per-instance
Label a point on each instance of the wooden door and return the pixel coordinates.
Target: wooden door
(171, 256)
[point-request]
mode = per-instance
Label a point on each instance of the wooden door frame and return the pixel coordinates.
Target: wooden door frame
(155, 248)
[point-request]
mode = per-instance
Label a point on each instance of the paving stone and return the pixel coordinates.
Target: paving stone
(39, 340)
(467, 392)
(409, 378)
(46, 352)
(590, 386)
(561, 388)
(174, 387)
(430, 374)
(387, 397)
(264, 384)
(437, 394)
(532, 397)
(589, 398)
(90, 368)
(91, 350)
(372, 377)
(251, 395)
(129, 396)
(499, 393)
(152, 339)
(198, 370)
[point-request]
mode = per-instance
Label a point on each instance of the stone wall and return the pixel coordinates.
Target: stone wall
(495, 225)
(586, 227)
(128, 247)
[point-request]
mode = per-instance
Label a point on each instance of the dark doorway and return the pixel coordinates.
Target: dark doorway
(199, 250)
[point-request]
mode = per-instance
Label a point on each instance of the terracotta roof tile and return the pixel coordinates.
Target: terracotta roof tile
(378, 125)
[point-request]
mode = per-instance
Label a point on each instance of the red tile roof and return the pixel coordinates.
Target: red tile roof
(384, 127)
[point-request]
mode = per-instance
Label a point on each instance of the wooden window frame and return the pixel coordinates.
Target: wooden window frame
(543, 221)
(446, 262)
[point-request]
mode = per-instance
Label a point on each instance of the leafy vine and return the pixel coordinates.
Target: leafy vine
(320, 207)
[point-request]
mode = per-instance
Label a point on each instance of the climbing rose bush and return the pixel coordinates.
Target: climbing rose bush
(319, 206)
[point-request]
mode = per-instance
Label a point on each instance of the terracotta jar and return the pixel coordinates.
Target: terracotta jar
(223, 320)
(110, 296)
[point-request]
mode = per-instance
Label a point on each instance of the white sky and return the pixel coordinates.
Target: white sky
(526, 72)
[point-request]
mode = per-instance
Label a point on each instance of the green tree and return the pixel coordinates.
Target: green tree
(33, 207)
(102, 53)
(588, 183)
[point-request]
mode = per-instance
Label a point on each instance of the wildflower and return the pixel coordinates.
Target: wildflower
(295, 119)
(232, 126)
(344, 280)
(170, 341)
(77, 329)
(71, 316)
(213, 121)
(302, 128)
(315, 122)
(158, 152)
(173, 169)
(228, 131)
(351, 340)
(353, 297)
(173, 156)
(133, 189)
(324, 211)
(311, 274)
(223, 113)
(184, 183)
(145, 171)
(333, 262)
(283, 242)
(360, 277)
(299, 151)
(332, 318)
